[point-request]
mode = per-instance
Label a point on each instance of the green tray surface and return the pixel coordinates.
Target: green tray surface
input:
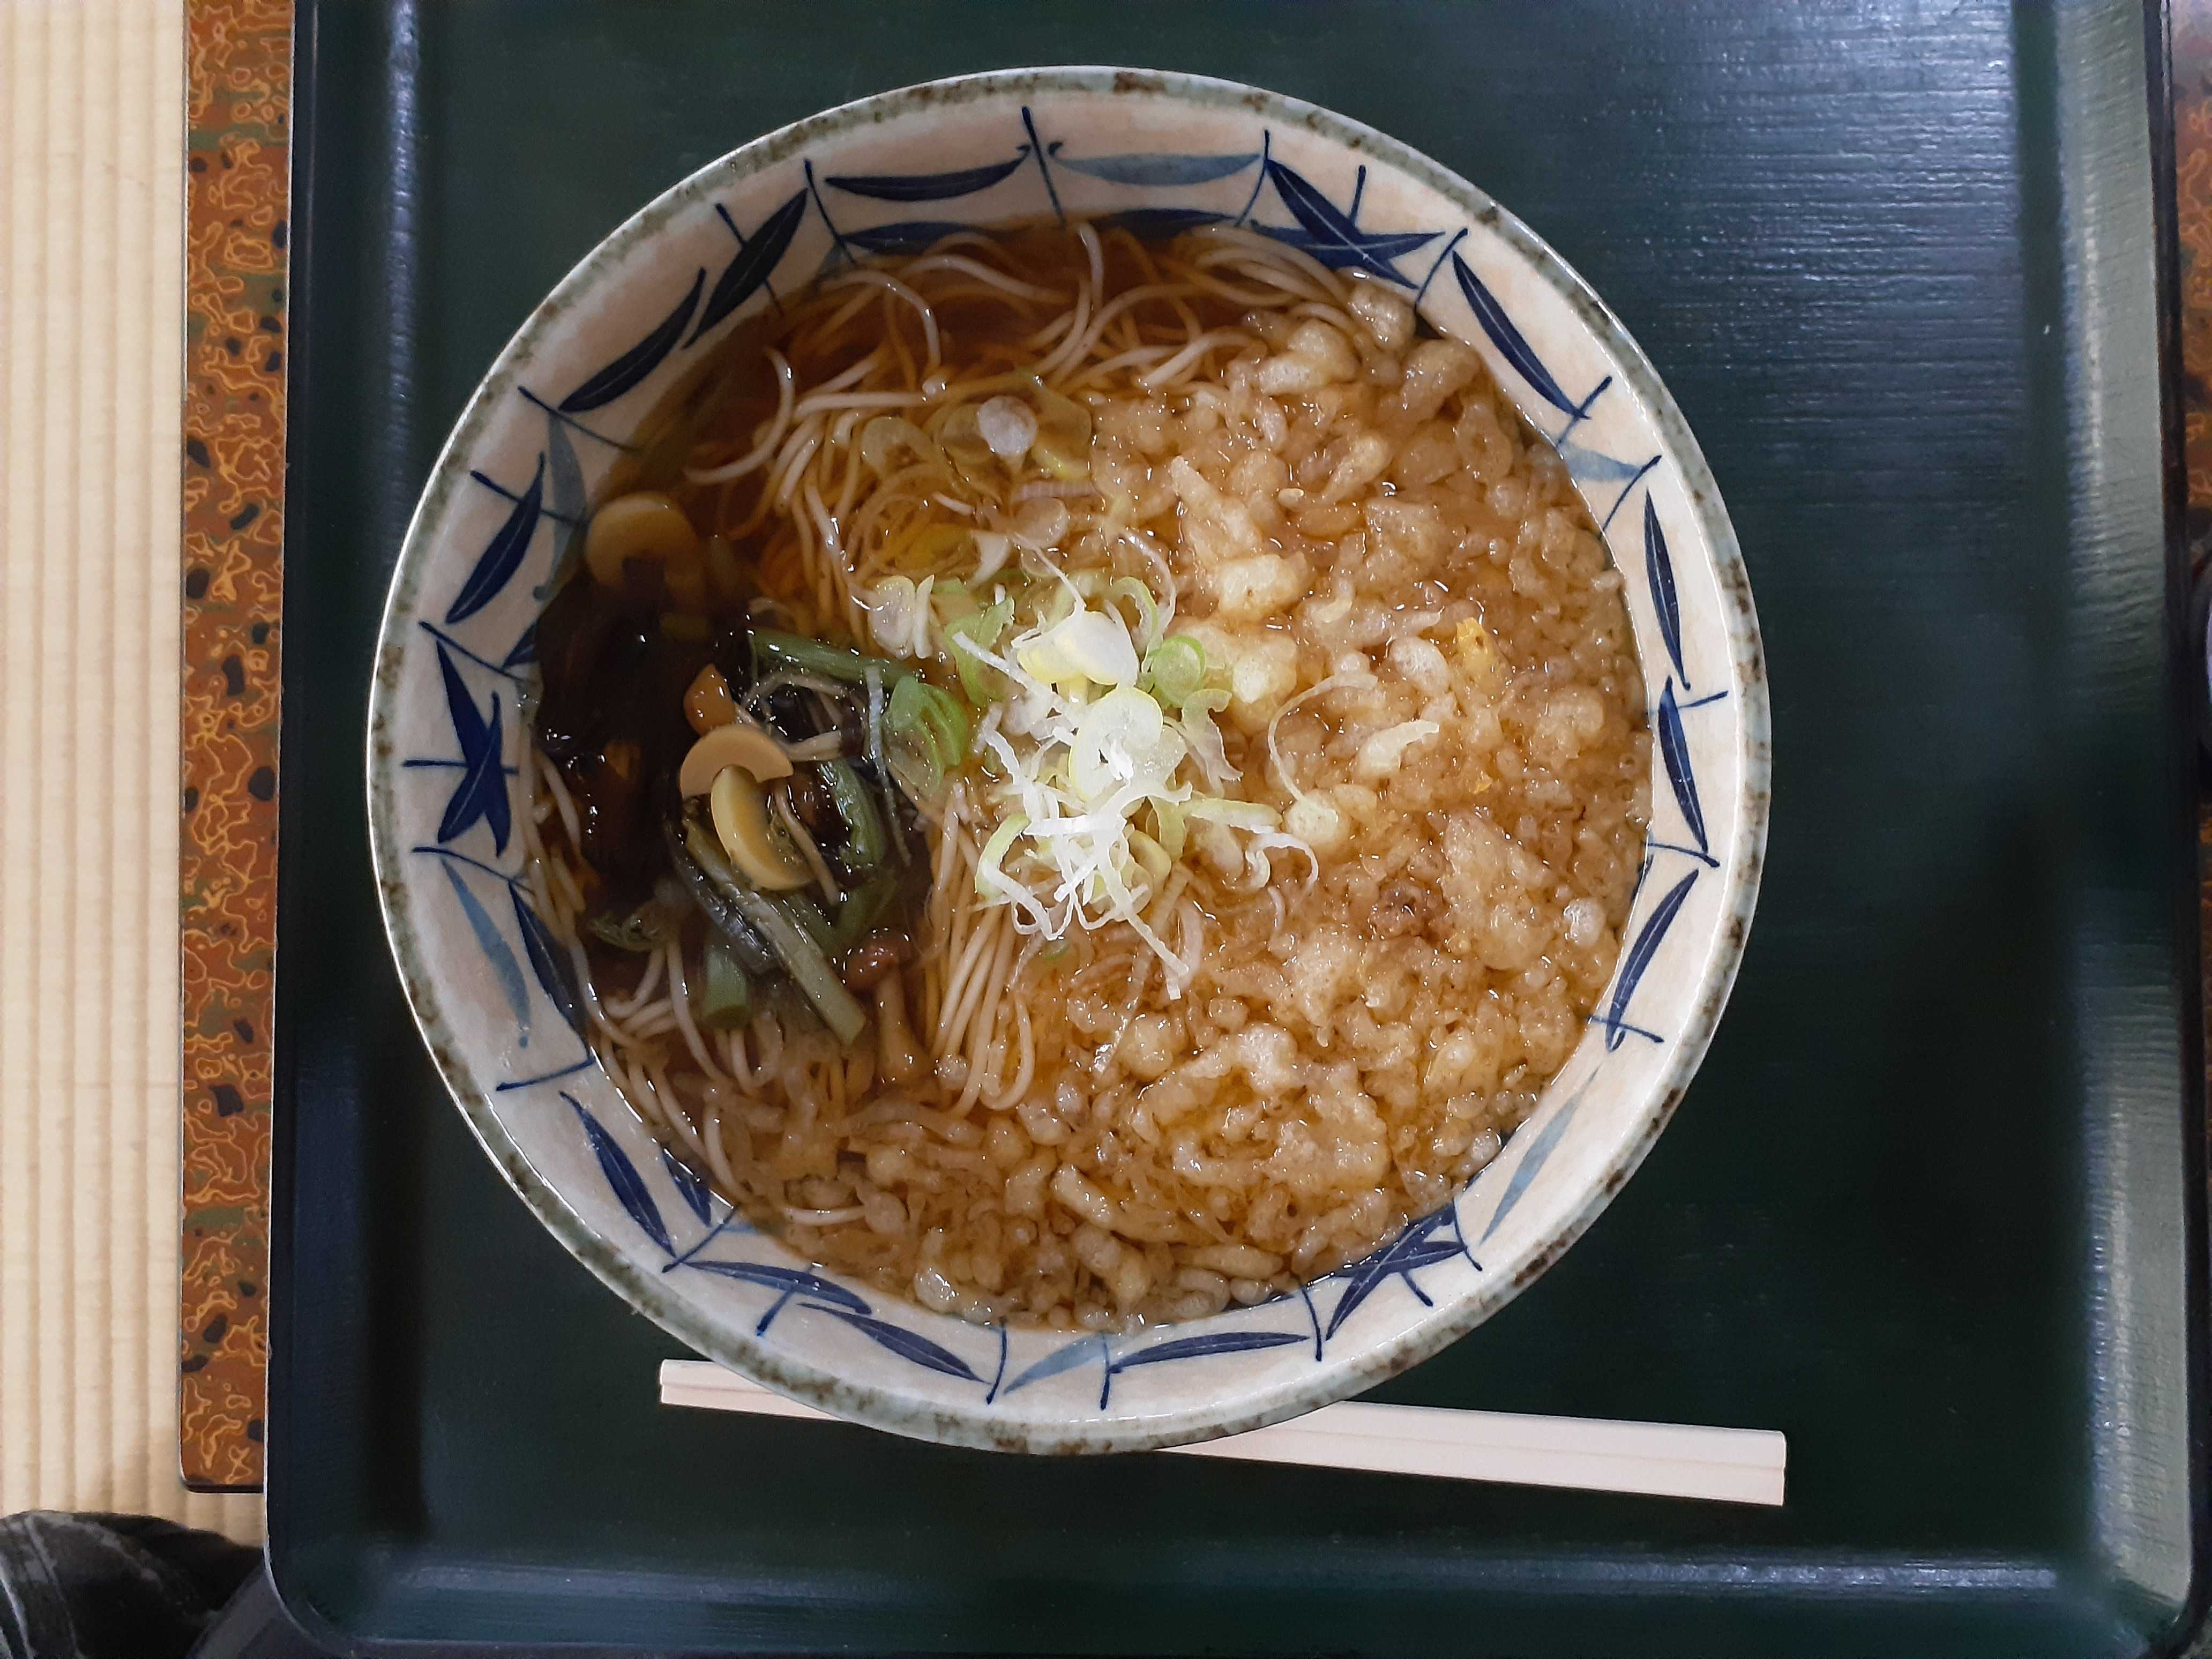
(1931, 1206)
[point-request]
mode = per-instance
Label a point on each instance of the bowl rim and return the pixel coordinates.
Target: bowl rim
(882, 1406)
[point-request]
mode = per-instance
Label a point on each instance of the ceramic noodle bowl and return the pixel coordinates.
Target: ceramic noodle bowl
(493, 990)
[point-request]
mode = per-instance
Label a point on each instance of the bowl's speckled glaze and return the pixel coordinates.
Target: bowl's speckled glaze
(491, 990)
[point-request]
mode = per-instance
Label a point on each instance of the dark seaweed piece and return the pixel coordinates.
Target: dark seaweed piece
(609, 788)
(714, 886)
(809, 805)
(644, 586)
(793, 714)
(581, 639)
(731, 650)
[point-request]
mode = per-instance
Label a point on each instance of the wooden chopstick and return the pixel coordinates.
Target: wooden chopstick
(1663, 1460)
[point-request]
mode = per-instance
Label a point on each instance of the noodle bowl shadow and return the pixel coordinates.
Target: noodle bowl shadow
(490, 986)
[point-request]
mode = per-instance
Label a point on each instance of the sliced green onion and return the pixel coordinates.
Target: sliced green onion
(803, 960)
(863, 907)
(1062, 445)
(898, 615)
(645, 928)
(930, 724)
(1148, 612)
(1175, 670)
(890, 442)
(800, 655)
(865, 843)
(1169, 828)
(877, 761)
(1152, 857)
(960, 435)
(981, 628)
(725, 997)
(1236, 814)
(803, 915)
(987, 872)
(917, 776)
(1204, 736)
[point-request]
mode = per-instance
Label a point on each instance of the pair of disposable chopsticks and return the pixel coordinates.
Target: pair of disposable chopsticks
(1665, 1460)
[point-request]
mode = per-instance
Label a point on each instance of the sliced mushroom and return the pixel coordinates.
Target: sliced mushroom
(647, 525)
(875, 957)
(741, 825)
(898, 1057)
(742, 743)
(708, 703)
(1062, 447)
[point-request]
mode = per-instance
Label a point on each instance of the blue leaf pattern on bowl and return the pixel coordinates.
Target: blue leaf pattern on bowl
(1514, 347)
(629, 1187)
(630, 369)
(506, 972)
(524, 651)
(1372, 251)
(1335, 238)
(568, 503)
(1598, 467)
(928, 186)
(1061, 1359)
(1198, 1348)
(907, 1345)
(1417, 1247)
(1674, 753)
(1164, 171)
(1532, 1163)
(756, 261)
(503, 555)
(785, 1281)
(693, 1191)
(1630, 974)
(481, 793)
(548, 961)
(1192, 1347)
(1659, 571)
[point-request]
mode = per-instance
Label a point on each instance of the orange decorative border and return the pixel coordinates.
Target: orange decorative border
(2192, 167)
(238, 90)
